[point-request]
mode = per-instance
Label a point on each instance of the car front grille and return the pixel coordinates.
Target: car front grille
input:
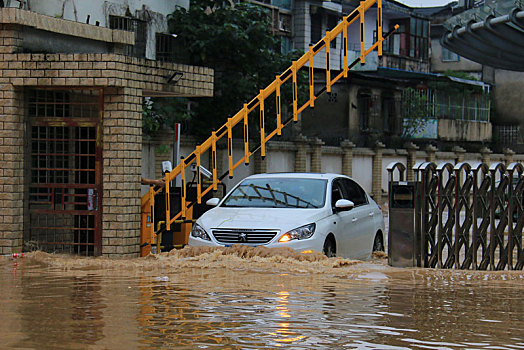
(249, 236)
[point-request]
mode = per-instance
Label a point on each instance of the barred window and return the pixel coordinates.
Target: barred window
(135, 25)
(165, 47)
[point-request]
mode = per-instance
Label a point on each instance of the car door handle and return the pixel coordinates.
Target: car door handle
(354, 220)
(371, 214)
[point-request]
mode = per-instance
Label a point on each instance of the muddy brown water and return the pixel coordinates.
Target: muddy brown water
(253, 299)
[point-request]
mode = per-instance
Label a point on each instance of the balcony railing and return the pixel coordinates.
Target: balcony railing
(442, 105)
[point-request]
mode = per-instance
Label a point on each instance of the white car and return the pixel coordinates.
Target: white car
(328, 213)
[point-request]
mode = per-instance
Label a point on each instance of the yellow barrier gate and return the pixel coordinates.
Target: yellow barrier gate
(149, 230)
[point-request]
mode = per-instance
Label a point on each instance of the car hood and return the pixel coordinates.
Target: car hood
(260, 218)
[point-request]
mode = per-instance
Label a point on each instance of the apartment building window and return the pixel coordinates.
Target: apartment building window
(411, 39)
(418, 38)
(332, 22)
(285, 45)
(135, 25)
(285, 4)
(449, 56)
(388, 111)
(165, 47)
(316, 24)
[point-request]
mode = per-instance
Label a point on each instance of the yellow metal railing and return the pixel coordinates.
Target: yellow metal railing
(148, 219)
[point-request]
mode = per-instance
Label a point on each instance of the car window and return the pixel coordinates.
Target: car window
(336, 192)
(353, 192)
(278, 193)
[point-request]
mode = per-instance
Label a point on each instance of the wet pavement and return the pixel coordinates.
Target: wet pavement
(253, 299)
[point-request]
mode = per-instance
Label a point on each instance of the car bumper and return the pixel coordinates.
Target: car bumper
(305, 245)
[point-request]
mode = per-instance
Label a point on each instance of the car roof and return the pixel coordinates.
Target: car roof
(324, 176)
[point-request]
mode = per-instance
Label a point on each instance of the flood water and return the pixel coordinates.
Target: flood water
(243, 300)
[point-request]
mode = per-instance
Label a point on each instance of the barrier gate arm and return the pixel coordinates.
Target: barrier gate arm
(259, 101)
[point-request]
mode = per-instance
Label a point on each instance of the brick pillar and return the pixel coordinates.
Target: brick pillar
(301, 156)
(12, 130)
(376, 185)
(347, 157)
(122, 151)
(316, 157)
(508, 156)
(10, 38)
(260, 165)
(486, 155)
(430, 153)
(459, 154)
(412, 159)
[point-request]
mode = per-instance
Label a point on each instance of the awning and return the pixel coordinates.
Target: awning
(493, 36)
(400, 74)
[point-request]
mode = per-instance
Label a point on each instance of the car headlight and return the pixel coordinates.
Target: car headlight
(302, 232)
(198, 232)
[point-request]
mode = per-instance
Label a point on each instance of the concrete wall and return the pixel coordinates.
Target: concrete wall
(463, 65)
(153, 11)
(332, 110)
(462, 130)
(508, 97)
(362, 170)
(42, 41)
(370, 25)
(98, 10)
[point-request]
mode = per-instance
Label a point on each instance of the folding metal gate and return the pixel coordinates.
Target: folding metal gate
(467, 217)
(64, 170)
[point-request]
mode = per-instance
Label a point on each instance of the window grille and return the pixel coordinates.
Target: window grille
(507, 135)
(165, 47)
(367, 105)
(136, 26)
(63, 166)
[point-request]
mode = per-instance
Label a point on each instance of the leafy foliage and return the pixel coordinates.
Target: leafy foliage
(415, 111)
(164, 112)
(236, 40)
(458, 74)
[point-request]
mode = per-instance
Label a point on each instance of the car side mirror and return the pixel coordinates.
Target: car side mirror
(213, 202)
(344, 205)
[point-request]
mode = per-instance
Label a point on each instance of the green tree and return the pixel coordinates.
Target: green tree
(163, 112)
(237, 41)
(415, 112)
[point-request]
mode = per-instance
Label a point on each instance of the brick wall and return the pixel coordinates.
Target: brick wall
(10, 38)
(11, 172)
(124, 81)
(105, 70)
(122, 135)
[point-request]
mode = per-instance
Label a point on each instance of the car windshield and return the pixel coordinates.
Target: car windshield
(278, 193)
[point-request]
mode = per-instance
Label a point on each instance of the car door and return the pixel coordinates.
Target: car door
(341, 220)
(360, 233)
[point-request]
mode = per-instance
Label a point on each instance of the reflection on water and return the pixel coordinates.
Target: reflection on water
(365, 306)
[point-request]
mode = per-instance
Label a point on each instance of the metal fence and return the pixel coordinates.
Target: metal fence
(467, 216)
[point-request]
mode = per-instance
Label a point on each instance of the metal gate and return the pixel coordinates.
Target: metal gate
(64, 170)
(468, 217)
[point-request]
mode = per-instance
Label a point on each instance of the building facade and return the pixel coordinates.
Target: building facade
(371, 104)
(73, 76)
(506, 119)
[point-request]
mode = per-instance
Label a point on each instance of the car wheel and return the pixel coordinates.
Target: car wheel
(329, 249)
(378, 243)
